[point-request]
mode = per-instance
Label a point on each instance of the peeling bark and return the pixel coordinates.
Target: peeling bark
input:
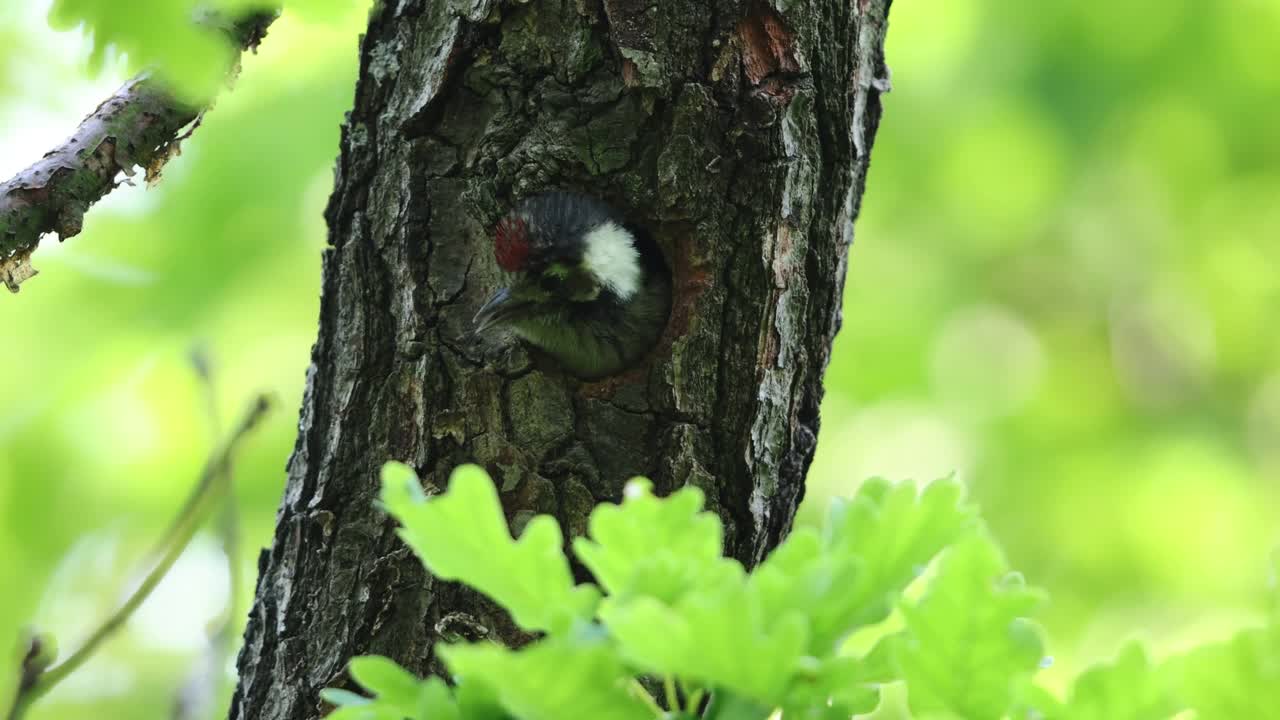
(737, 133)
(138, 126)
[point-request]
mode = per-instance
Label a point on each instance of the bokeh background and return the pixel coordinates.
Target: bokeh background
(1064, 290)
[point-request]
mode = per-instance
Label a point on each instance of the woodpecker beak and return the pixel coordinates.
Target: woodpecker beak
(501, 307)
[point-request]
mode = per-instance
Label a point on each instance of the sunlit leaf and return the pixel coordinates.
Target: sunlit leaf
(968, 639)
(397, 695)
(720, 637)
(871, 548)
(1235, 679)
(384, 678)
(553, 680)
(462, 535)
(848, 683)
(657, 547)
(1129, 688)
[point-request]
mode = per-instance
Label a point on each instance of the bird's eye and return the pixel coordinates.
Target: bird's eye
(553, 278)
(550, 281)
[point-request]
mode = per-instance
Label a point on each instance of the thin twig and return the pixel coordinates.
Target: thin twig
(203, 367)
(193, 516)
(206, 678)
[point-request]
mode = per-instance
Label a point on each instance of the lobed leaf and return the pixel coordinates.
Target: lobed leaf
(661, 548)
(462, 535)
(851, 684)
(968, 642)
(1129, 688)
(803, 576)
(396, 695)
(1239, 678)
(719, 637)
(553, 679)
(387, 680)
(891, 533)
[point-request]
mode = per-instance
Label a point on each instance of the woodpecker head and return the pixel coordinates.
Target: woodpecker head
(583, 287)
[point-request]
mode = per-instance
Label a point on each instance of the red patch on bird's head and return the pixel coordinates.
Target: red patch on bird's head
(511, 243)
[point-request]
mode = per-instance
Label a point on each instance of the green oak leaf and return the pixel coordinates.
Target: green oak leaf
(1239, 678)
(851, 684)
(661, 548)
(893, 531)
(397, 694)
(802, 575)
(477, 701)
(384, 678)
(968, 642)
(873, 546)
(726, 705)
(353, 710)
(553, 679)
(719, 637)
(1127, 689)
(462, 535)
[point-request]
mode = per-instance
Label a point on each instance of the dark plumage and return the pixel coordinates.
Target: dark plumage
(585, 288)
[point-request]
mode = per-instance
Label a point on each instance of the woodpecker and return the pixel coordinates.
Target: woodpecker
(585, 288)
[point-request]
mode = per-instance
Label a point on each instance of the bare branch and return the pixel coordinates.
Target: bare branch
(138, 126)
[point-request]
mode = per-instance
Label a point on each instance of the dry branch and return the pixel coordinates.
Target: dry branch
(139, 126)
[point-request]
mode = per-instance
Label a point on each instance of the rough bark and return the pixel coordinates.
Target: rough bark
(738, 133)
(138, 126)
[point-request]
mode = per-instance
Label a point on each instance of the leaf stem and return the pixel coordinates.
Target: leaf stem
(638, 690)
(695, 700)
(669, 687)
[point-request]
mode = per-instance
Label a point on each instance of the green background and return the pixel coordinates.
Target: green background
(1064, 290)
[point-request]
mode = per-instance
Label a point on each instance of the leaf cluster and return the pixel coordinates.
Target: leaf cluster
(816, 631)
(902, 585)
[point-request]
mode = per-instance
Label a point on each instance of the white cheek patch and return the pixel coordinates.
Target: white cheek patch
(612, 257)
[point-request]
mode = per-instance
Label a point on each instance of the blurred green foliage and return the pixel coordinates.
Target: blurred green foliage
(1064, 290)
(103, 427)
(184, 41)
(962, 641)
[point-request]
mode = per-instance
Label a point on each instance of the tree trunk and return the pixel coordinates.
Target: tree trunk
(737, 133)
